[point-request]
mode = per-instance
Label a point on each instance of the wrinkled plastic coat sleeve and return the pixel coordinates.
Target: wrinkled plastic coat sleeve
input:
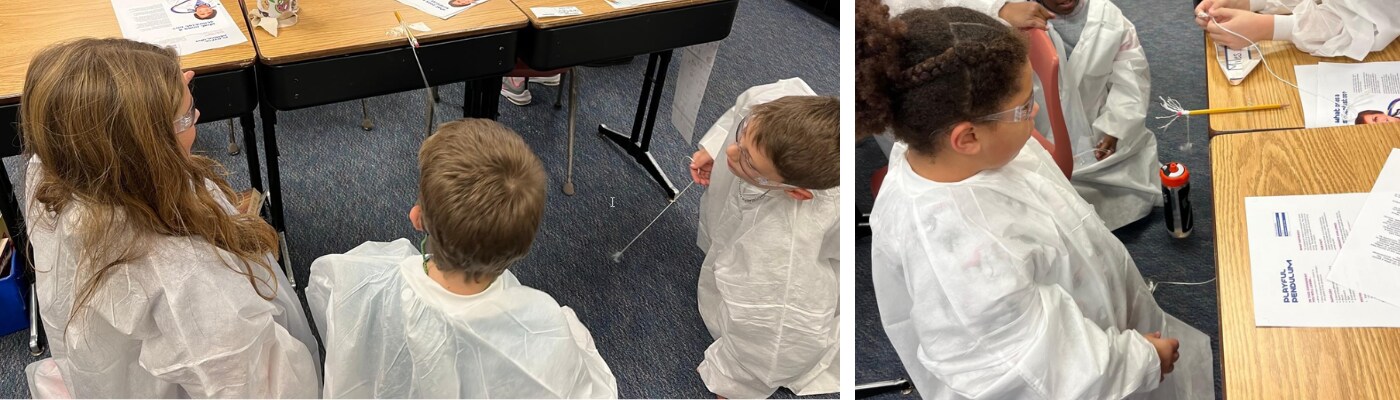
(1351, 28)
(320, 284)
(1273, 6)
(752, 366)
(1043, 345)
(1125, 110)
(272, 361)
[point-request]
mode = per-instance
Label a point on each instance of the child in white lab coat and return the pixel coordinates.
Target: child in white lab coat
(455, 323)
(769, 287)
(993, 277)
(1105, 89)
(150, 283)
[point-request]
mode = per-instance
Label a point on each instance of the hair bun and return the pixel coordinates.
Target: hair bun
(878, 48)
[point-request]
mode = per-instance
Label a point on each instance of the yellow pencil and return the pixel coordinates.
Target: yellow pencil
(1232, 109)
(411, 40)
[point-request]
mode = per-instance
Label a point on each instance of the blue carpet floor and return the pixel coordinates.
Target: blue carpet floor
(344, 186)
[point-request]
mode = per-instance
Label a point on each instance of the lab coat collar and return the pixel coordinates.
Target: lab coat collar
(432, 293)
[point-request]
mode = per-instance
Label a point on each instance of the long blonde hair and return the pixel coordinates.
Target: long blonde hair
(99, 114)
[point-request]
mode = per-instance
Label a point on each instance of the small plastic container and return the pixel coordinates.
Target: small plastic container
(13, 315)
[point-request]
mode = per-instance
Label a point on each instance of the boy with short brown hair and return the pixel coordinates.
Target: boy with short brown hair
(769, 225)
(456, 322)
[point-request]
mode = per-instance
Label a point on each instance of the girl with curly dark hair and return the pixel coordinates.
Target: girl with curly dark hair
(994, 278)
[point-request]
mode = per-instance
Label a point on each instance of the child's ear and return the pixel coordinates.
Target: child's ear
(415, 215)
(800, 194)
(963, 139)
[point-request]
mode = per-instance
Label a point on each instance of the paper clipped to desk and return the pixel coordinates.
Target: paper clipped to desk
(696, 64)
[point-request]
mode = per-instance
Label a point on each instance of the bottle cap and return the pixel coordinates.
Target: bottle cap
(1174, 175)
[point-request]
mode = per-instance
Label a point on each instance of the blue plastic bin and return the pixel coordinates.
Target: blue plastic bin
(13, 317)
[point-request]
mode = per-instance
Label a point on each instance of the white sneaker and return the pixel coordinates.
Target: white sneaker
(547, 81)
(514, 89)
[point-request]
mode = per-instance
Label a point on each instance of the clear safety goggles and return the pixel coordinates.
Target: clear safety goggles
(746, 161)
(188, 119)
(1019, 113)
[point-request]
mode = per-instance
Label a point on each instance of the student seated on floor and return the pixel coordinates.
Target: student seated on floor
(453, 321)
(1105, 90)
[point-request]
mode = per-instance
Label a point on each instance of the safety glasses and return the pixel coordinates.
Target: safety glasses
(188, 119)
(1019, 113)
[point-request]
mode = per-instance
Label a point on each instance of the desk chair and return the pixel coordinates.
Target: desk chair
(524, 71)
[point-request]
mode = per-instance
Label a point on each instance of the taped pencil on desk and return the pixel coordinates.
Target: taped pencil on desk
(1224, 110)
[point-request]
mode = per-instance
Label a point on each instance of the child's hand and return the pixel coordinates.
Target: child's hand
(1106, 147)
(1211, 5)
(701, 164)
(1025, 15)
(1166, 351)
(1254, 26)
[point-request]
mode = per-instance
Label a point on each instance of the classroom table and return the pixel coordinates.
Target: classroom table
(1295, 363)
(340, 51)
(1259, 87)
(603, 32)
(223, 86)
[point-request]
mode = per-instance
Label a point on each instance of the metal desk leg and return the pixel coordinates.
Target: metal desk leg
(481, 98)
(250, 145)
(638, 144)
(274, 189)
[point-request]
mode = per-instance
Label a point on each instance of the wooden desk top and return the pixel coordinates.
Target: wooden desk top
(28, 26)
(593, 10)
(1261, 88)
(1295, 363)
(332, 27)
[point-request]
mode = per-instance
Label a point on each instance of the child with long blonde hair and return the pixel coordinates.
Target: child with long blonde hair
(150, 283)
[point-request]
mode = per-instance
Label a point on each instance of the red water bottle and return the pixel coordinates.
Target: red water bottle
(1176, 200)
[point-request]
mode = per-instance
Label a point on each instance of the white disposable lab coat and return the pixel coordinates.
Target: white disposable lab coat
(174, 323)
(1332, 28)
(392, 332)
(1105, 89)
(1005, 286)
(769, 288)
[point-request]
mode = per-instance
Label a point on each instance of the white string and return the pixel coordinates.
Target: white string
(617, 257)
(1265, 61)
(1152, 286)
(1176, 110)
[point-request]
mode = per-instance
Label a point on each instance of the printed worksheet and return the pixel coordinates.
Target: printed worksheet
(443, 8)
(1370, 263)
(1293, 241)
(189, 26)
(1355, 93)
